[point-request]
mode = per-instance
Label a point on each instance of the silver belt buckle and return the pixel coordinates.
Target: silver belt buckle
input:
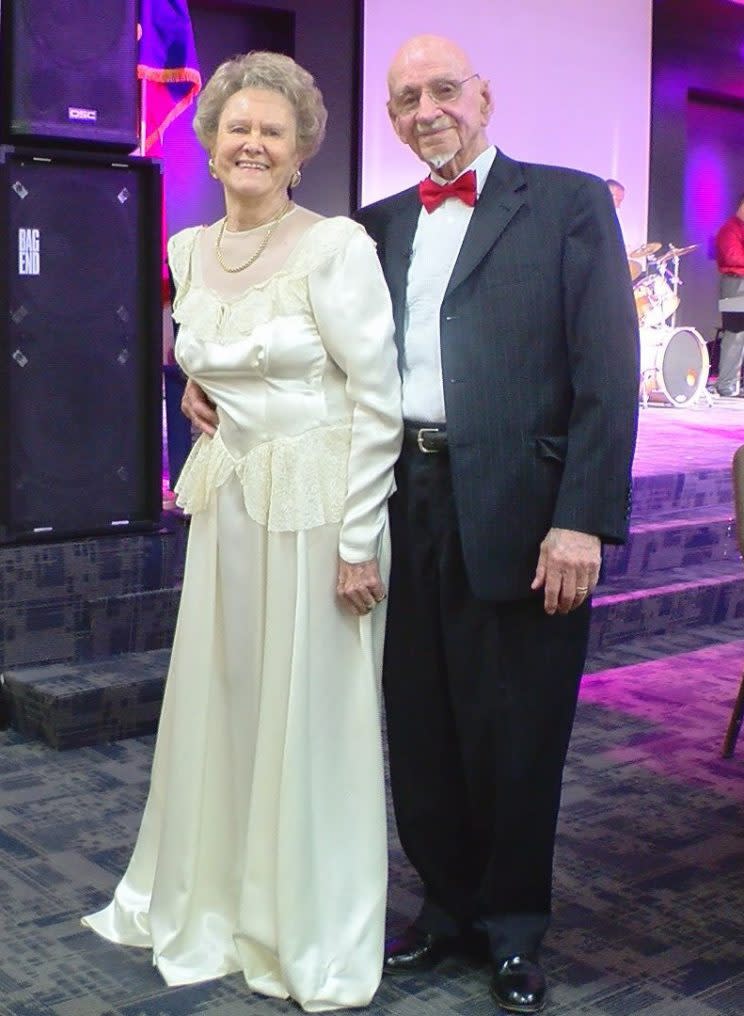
(420, 440)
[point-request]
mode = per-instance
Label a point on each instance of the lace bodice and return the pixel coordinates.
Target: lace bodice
(243, 302)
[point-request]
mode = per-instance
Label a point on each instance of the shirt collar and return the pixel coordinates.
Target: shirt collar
(481, 164)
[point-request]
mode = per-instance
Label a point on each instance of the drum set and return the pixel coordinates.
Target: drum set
(674, 361)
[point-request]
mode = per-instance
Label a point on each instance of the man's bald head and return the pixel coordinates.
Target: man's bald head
(423, 47)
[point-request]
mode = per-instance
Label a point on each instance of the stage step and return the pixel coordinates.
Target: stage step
(665, 494)
(69, 705)
(86, 626)
(74, 703)
(662, 603)
(644, 649)
(130, 623)
(82, 598)
(685, 538)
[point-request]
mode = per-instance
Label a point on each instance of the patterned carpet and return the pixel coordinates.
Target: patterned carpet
(649, 902)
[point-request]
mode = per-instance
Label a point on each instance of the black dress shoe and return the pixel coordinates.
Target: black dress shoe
(519, 985)
(415, 950)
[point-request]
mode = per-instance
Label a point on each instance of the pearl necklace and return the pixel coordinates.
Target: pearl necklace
(272, 224)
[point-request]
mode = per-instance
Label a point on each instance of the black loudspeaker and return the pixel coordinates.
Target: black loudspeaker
(69, 71)
(80, 344)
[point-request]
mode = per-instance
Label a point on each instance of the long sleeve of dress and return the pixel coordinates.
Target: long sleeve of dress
(353, 312)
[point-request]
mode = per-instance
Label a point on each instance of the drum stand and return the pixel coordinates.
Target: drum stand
(646, 375)
(675, 281)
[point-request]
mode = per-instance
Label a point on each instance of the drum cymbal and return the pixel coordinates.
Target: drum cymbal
(679, 251)
(635, 269)
(645, 251)
(676, 252)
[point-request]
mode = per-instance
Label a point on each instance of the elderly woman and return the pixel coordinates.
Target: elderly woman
(263, 847)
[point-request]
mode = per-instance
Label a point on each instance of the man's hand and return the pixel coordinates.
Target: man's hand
(568, 569)
(196, 406)
(359, 586)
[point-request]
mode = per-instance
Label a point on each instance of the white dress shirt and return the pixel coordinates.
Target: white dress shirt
(436, 246)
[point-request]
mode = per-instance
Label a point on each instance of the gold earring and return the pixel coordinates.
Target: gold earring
(296, 179)
(212, 170)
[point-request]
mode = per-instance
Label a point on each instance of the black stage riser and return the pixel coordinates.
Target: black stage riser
(69, 72)
(80, 344)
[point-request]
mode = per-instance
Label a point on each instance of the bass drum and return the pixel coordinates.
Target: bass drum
(674, 365)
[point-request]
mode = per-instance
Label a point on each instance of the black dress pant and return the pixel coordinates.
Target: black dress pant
(480, 699)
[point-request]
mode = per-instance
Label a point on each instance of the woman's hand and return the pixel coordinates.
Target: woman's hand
(196, 407)
(359, 586)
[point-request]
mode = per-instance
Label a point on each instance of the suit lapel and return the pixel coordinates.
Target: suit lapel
(502, 196)
(397, 257)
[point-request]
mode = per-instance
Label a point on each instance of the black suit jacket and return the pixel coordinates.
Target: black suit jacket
(539, 342)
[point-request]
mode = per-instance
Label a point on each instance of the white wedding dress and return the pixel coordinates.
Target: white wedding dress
(263, 845)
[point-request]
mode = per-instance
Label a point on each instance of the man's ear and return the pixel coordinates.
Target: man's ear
(486, 103)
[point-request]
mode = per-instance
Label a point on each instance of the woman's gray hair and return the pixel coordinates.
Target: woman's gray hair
(273, 72)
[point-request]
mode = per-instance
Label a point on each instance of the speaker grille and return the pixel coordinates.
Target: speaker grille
(81, 345)
(75, 34)
(73, 70)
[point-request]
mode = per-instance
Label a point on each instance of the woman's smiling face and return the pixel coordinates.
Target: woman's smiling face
(255, 150)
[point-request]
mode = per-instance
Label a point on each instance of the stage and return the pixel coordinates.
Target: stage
(696, 437)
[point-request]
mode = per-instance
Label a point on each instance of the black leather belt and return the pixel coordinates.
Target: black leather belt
(427, 438)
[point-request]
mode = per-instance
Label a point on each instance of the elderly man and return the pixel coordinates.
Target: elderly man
(518, 350)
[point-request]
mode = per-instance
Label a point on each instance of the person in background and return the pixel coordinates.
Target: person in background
(617, 191)
(730, 260)
(262, 848)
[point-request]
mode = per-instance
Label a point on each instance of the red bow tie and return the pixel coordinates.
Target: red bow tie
(433, 194)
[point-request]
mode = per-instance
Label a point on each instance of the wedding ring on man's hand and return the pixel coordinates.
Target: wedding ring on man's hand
(582, 589)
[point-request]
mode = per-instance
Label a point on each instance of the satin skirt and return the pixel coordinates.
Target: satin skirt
(263, 845)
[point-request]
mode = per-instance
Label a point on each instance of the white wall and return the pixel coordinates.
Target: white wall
(570, 80)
